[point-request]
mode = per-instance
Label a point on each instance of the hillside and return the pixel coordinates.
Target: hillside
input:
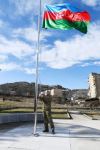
(23, 88)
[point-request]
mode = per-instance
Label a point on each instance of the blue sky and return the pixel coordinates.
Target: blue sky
(66, 57)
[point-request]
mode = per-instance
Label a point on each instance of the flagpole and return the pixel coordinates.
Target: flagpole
(37, 71)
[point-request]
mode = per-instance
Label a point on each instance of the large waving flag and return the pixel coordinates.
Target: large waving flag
(65, 16)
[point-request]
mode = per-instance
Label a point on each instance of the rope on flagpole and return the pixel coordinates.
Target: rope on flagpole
(37, 71)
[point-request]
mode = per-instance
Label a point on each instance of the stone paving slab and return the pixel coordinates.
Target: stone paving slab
(85, 144)
(70, 135)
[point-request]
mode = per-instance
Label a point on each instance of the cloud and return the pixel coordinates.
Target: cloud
(30, 70)
(22, 45)
(15, 47)
(91, 2)
(58, 55)
(74, 51)
(9, 66)
(3, 58)
(24, 7)
(1, 23)
(97, 63)
(30, 34)
(86, 64)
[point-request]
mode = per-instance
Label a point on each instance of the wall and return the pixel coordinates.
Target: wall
(19, 117)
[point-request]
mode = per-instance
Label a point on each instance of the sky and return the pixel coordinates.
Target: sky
(66, 57)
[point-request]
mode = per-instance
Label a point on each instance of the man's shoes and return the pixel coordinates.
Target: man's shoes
(53, 130)
(46, 130)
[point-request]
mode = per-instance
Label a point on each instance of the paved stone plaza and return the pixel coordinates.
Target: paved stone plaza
(70, 135)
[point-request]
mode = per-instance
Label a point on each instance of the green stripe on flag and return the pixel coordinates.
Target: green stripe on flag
(65, 25)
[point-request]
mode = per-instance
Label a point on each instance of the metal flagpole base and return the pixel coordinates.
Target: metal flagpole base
(36, 134)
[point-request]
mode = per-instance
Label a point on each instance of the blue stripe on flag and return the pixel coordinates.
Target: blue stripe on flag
(61, 7)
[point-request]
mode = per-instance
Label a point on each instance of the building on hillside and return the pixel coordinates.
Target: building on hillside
(94, 85)
(56, 92)
(79, 94)
(12, 93)
(57, 95)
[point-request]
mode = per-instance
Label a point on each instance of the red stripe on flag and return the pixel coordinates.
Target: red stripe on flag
(67, 15)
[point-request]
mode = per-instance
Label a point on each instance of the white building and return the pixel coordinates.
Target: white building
(53, 92)
(94, 85)
(56, 92)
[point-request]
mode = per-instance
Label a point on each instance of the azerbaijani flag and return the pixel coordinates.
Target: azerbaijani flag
(65, 16)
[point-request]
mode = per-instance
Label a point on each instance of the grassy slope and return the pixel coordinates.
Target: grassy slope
(58, 110)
